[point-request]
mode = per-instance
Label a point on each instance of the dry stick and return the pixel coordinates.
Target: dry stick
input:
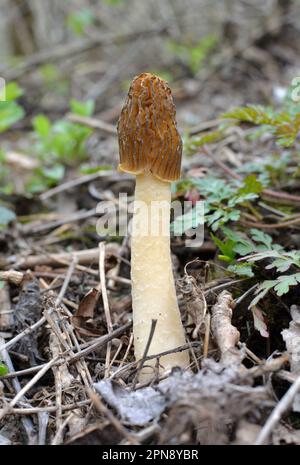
(81, 365)
(275, 417)
(58, 435)
(102, 286)
(76, 182)
(66, 50)
(195, 361)
(12, 276)
(27, 371)
(26, 331)
(114, 421)
(77, 216)
(82, 256)
(93, 123)
(268, 366)
(88, 348)
(28, 386)
(206, 336)
(43, 418)
(224, 285)
(55, 349)
(100, 342)
(27, 423)
(161, 354)
(147, 347)
(50, 409)
(66, 281)
(267, 192)
(127, 351)
(281, 225)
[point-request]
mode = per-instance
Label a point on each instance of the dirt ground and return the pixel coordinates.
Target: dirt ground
(68, 373)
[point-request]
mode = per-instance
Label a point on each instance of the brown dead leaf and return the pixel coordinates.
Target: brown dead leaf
(84, 315)
(194, 301)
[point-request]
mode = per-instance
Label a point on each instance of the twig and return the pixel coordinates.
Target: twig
(102, 409)
(66, 281)
(144, 357)
(26, 422)
(102, 286)
(283, 405)
(58, 435)
(50, 409)
(206, 336)
(160, 354)
(87, 257)
(43, 423)
(28, 386)
(100, 342)
(127, 350)
(74, 183)
(93, 123)
(12, 276)
(26, 331)
(280, 225)
(267, 192)
(77, 216)
(75, 47)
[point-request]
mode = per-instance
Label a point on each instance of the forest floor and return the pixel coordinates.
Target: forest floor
(68, 374)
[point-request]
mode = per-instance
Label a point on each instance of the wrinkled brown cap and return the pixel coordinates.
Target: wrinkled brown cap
(148, 136)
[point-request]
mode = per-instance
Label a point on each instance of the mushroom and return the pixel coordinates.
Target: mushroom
(150, 147)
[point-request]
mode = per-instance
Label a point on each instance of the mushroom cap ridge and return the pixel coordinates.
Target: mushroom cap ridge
(147, 131)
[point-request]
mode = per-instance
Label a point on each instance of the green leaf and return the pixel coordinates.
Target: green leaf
(6, 216)
(114, 2)
(41, 125)
(189, 220)
(82, 108)
(193, 55)
(254, 114)
(241, 270)
(10, 113)
(261, 237)
(54, 173)
(77, 22)
(95, 169)
(262, 290)
(251, 185)
(3, 369)
(284, 282)
(13, 91)
(244, 248)
(226, 248)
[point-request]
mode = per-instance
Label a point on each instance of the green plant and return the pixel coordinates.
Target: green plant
(3, 369)
(235, 244)
(62, 141)
(192, 55)
(53, 79)
(285, 124)
(6, 216)
(223, 200)
(6, 186)
(10, 111)
(78, 21)
(281, 261)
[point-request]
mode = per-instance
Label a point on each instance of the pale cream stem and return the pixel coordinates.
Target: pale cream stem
(153, 288)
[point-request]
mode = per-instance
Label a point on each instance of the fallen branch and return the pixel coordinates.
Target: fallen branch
(92, 123)
(283, 406)
(83, 257)
(226, 335)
